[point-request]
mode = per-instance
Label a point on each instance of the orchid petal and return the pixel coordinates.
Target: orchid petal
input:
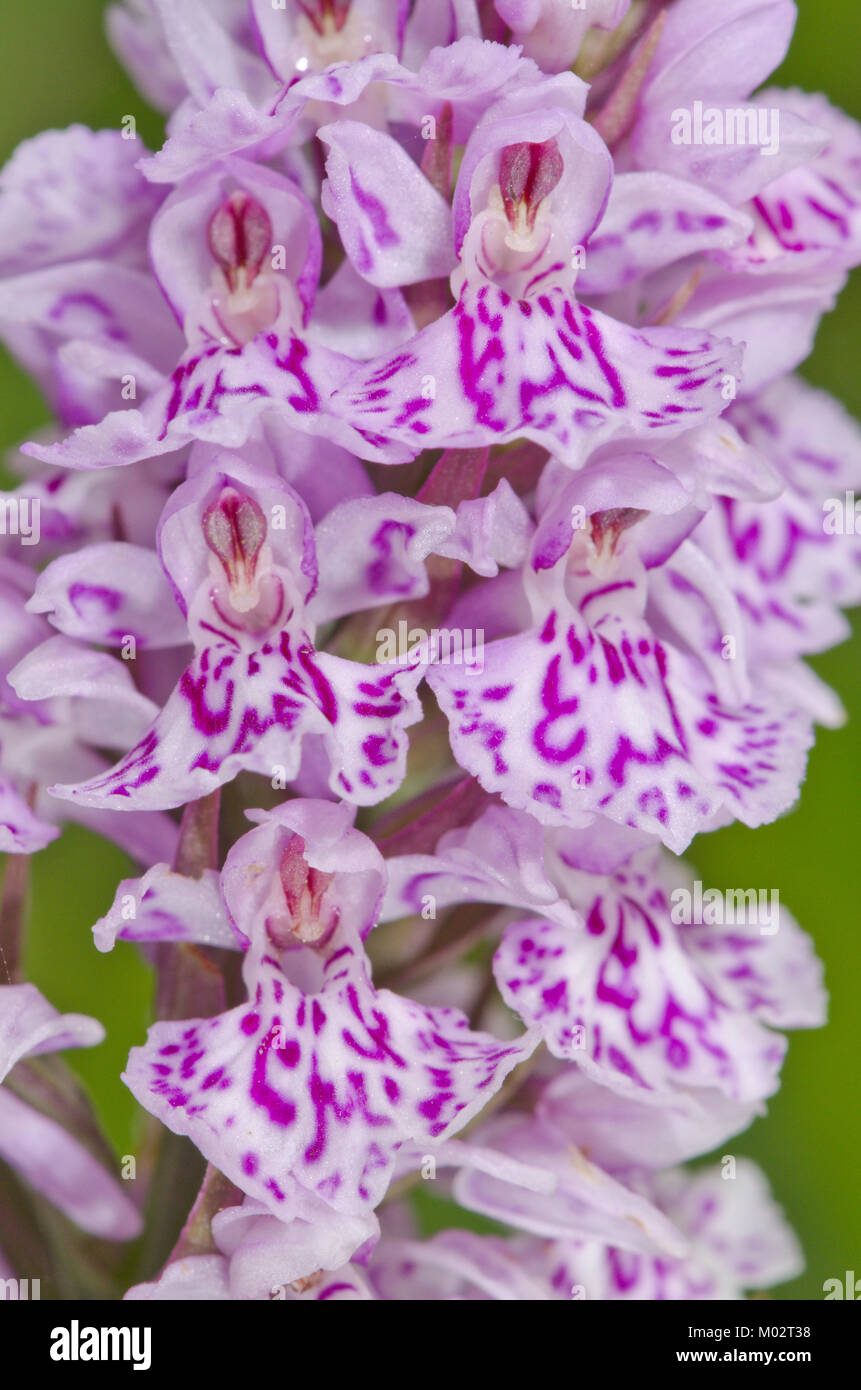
(551, 371)
(166, 906)
(395, 226)
(290, 1094)
(232, 711)
(585, 1202)
(29, 1025)
(61, 1169)
(651, 220)
(534, 727)
(106, 593)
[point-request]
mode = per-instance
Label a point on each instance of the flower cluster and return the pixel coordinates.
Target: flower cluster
(431, 493)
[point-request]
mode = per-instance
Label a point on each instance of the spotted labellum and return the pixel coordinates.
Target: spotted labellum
(427, 548)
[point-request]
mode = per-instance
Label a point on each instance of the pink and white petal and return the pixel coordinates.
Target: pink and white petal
(469, 73)
(192, 748)
(586, 1201)
(372, 550)
(234, 711)
(713, 460)
(755, 756)
(167, 906)
(108, 592)
(775, 317)
(292, 377)
(552, 31)
(737, 1224)
(456, 1153)
(734, 170)
(548, 370)
(197, 1278)
(693, 604)
(604, 1274)
(718, 59)
(147, 837)
(185, 555)
(293, 1094)
(813, 211)
(203, 50)
(623, 1000)
(21, 831)
(395, 226)
(340, 83)
(434, 24)
(50, 1160)
(266, 1253)
(601, 847)
(29, 1025)
(120, 309)
(787, 574)
(626, 1131)
(218, 395)
(472, 76)
(535, 728)
(816, 446)
(552, 110)
(227, 123)
(770, 971)
(282, 43)
(617, 476)
(71, 195)
(651, 220)
(102, 362)
(491, 531)
(182, 258)
(733, 49)
(453, 1265)
(322, 473)
(798, 685)
(500, 858)
(364, 729)
(105, 706)
(34, 754)
(348, 1284)
(137, 39)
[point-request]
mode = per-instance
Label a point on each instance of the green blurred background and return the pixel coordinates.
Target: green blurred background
(55, 70)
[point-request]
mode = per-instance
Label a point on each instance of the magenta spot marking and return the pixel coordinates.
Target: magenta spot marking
(384, 233)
